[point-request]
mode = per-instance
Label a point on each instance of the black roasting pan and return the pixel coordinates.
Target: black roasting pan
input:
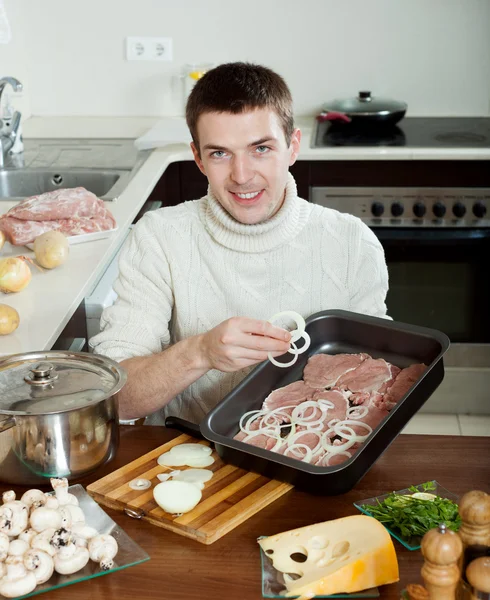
(332, 332)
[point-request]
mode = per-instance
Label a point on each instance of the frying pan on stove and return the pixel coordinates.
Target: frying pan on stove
(332, 332)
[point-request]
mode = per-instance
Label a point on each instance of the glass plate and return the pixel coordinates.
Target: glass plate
(128, 555)
(273, 583)
(411, 543)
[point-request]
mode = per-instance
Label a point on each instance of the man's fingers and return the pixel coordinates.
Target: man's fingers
(265, 329)
(266, 344)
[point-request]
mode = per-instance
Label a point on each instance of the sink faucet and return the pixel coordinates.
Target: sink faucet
(10, 134)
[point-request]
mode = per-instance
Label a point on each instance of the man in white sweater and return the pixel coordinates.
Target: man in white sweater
(198, 281)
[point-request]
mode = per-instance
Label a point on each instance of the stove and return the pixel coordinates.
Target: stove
(411, 132)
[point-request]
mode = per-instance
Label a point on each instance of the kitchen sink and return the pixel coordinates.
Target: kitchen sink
(19, 183)
(102, 166)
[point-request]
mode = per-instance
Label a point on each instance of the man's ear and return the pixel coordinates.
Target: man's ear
(294, 146)
(197, 158)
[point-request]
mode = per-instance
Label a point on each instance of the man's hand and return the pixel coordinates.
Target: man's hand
(240, 342)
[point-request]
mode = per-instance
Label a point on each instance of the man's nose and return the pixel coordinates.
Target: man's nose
(241, 171)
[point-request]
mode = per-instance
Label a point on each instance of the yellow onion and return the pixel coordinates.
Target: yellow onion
(15, 274)
(9, 319)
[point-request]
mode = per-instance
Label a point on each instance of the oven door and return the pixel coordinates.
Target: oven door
(440, 278)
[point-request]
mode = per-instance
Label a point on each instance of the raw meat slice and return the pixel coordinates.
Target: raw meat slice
(369, 376)
(289, 395)
(324, 370)
(404, 381)
(71, 203)
(338, 399)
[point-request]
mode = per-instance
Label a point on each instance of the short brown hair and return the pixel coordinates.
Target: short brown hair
(236, 88)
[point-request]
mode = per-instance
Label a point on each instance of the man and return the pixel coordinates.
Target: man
(198, 281)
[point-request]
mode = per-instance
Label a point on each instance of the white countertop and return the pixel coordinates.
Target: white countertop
(52, 297)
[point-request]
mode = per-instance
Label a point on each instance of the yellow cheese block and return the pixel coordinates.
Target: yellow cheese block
(339, 556)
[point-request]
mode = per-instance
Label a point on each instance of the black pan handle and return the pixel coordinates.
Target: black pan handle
(184, 426)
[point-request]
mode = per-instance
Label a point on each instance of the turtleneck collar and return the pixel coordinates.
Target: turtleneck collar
(279, 229)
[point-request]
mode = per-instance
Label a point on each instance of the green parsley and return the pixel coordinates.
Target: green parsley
(413, 516)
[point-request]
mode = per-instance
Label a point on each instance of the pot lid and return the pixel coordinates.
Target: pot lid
(365, 105)
(49, 382)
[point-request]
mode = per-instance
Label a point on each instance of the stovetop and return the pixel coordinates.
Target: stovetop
(411, 132)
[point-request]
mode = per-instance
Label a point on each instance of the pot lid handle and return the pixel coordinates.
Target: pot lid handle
(42, 374)
(365, 96)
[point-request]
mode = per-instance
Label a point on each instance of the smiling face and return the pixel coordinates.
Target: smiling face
(246, 160)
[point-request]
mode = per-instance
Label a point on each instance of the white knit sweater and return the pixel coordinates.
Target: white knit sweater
(187, 268)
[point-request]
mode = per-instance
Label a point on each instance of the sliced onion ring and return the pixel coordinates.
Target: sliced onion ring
(300, 323)
(283, 365)
(304, 347)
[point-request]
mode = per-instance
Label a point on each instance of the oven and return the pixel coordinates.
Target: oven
(437, 248)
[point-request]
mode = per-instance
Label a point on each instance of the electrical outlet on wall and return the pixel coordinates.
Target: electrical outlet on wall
(149, 48)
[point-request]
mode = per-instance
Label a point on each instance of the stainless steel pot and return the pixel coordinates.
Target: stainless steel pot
(364, 110)
(58, 415)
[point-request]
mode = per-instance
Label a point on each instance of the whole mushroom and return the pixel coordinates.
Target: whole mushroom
(103, 548)
(14, 515)
(34, 499)
(18, 547)
(70, 559)
(17, 581)
(46, 517)
(39, 563)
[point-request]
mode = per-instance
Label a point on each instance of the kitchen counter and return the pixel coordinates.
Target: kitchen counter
(230, 568)
(52, 297)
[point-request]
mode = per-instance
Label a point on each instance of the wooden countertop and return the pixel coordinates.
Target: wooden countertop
(181, 568)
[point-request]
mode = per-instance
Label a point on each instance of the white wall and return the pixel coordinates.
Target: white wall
(13, 56)
(433, 54)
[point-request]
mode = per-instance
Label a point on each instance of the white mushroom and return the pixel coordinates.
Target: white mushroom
(34, 499)
(28, 535)
(80, 530)
(3, 569)
(4, 546)
(103, 548)
(40, 563)
(60, 487)
(76, 512)
(14, 515)
(18, 547)
(45, 518)
(70, 559)
(42, 541)
(17, 581)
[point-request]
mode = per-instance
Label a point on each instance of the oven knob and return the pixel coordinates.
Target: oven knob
(377, 209)
(439, 210)
(459, 210)
(419, 209)
(479, 210)
(397, 209)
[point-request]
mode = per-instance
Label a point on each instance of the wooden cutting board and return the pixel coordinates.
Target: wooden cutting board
(228, 499)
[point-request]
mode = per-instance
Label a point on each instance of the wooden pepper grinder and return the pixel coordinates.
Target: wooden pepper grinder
(442, 550)
(474, 510)
(478, 576)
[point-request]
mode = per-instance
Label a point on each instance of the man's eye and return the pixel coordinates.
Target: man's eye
(262, 149)
(218, 154)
